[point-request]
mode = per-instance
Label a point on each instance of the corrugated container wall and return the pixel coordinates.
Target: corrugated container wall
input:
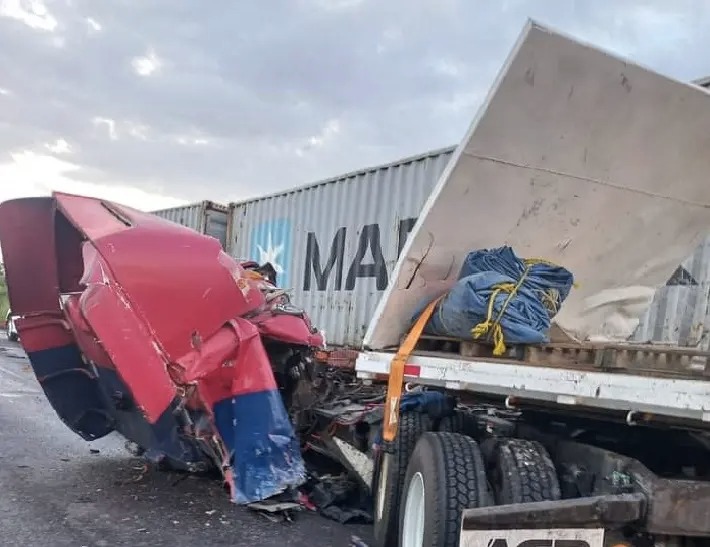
(334, 243)
(679, 313)
(206, 217)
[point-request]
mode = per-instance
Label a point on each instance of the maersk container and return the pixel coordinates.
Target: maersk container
(680, 311)
(335, 242)
(206, 217)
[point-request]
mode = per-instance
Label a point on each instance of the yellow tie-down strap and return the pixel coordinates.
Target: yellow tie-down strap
(396, 376)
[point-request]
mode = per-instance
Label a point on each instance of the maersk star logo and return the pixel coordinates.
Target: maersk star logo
(271, 242)
(271, 253)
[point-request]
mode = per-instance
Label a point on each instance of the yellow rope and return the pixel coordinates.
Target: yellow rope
(489, 324)
(549, 300)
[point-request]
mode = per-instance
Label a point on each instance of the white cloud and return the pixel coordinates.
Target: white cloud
(329, 131)
(138, 131)
(93, 24)
(395, 78)
(109, 124)
(147, 64)
(192, 140)
(335, 5)
(460, 102)
(60, 146)
(391, 38)
(34, 174)
(447, 67)
(32, 13)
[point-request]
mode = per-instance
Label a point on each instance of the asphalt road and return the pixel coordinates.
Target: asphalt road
(56, 489)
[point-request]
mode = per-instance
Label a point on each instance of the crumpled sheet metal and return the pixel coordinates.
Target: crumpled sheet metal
(233, 377)
(133, 324)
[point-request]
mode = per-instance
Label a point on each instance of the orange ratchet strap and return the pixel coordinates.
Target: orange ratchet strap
(396, 377)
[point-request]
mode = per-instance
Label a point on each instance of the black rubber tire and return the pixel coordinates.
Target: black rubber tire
(458, 422)
(522, 471)
(386, 525)
(452, 469)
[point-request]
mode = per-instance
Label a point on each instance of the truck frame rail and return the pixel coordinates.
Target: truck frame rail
(638, 397)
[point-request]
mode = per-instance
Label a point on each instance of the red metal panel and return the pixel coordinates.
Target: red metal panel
(45, 331)
(205, 286)
(28, 224)
(129, 344)
(231, 363)
(91, 216)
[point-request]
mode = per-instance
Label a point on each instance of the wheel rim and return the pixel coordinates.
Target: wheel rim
(382, 485)
(413, 522)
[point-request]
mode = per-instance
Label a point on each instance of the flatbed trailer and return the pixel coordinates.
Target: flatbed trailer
(605, 492)
(599, 165)
(645, 382)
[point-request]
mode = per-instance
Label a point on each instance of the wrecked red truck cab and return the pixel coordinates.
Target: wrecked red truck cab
(141, 326)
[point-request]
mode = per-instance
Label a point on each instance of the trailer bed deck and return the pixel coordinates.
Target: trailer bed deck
(649, 359)
(643, 381)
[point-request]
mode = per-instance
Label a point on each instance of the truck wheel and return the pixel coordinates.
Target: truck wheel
(388, 477)
(522, 471)
(458, 422)
(445, 476)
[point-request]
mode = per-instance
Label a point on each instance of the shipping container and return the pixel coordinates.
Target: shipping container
(335, 242)
(679, 313)
(206, 217)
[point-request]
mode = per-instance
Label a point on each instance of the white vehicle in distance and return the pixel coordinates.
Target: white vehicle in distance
(10, 327)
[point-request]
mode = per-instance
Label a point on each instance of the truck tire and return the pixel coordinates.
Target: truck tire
(522, 471)
(445, 476)
(458, 422)
(388, 477)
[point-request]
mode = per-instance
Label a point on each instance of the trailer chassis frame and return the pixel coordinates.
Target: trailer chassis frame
(614, 492)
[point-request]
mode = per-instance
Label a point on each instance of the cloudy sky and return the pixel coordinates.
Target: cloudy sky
(158, 102)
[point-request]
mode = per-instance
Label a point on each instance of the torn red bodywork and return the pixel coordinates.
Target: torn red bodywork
(142, 326)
